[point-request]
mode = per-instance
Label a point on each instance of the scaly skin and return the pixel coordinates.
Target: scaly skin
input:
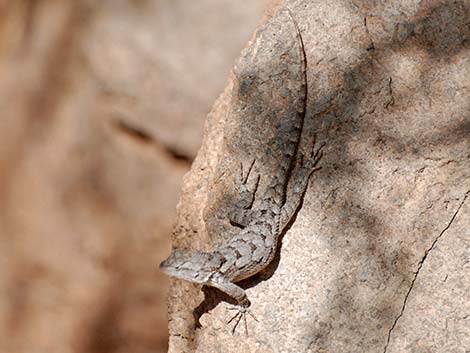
(251, 249)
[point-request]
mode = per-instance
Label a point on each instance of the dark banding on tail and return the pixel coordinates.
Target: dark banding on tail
(290, 130)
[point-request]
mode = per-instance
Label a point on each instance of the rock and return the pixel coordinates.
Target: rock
(102, 108)
(377, 258)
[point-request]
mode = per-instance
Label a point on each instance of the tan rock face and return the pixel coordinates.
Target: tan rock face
(102, 105)
(377, 260)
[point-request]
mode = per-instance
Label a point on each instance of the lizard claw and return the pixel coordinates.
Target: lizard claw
(241, 314)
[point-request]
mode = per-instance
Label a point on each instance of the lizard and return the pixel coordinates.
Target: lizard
(254, 245)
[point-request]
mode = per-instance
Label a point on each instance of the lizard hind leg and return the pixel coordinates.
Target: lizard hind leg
(304, 169)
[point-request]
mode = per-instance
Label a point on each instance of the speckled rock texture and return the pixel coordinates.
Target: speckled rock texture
(377, 259)
(102, 111)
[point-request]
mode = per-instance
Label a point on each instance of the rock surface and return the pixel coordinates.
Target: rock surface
(102, 111)
(377, 259)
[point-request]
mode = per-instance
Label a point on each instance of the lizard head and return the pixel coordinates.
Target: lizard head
(197, 267)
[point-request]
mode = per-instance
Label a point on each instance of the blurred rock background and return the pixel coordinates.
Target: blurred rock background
(102, 111)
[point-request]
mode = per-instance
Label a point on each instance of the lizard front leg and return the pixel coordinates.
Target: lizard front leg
(220, 282)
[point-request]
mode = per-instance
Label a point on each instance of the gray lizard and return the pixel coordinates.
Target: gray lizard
(253, 247)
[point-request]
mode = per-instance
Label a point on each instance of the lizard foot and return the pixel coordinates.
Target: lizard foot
(241, 314)
(241, 215)
(245, 188)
